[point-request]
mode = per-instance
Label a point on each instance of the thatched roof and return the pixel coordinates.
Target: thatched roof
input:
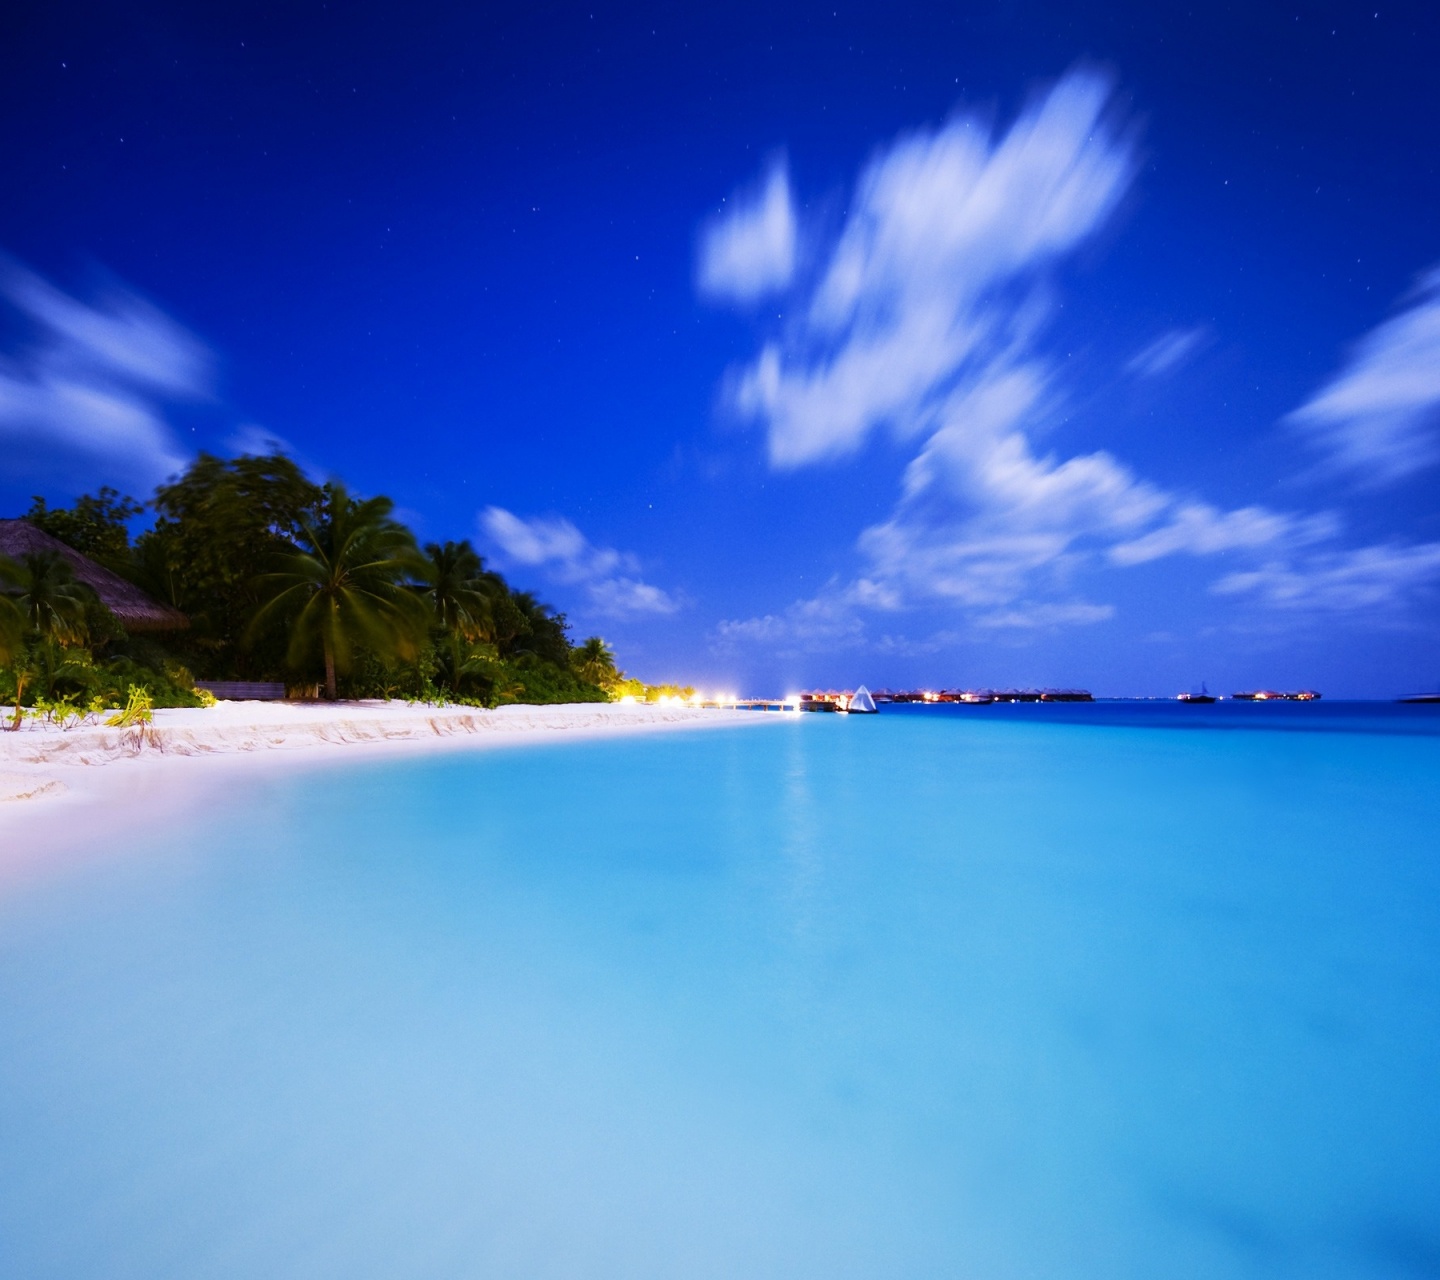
(134, 610)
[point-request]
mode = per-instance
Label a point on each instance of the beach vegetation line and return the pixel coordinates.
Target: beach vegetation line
(249, 570)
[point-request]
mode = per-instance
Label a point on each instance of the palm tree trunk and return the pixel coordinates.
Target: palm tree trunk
(329, 670)
(19, 693)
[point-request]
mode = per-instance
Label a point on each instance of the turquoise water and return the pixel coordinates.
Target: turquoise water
(1052, 992)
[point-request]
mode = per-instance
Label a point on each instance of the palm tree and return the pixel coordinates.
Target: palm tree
(346, 583)
(39, 596)
(595, 662)
(461, 595)
(541, 630)
(43, 590)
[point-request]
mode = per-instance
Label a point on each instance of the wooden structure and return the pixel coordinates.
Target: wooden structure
(243, 690)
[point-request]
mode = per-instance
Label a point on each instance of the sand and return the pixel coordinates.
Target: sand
(93, 777)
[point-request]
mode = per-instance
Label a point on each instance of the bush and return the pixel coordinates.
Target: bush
(74, 676)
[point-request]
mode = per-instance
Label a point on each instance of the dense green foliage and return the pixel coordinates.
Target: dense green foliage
(59, 646)
(282, 579)
(218, 529)
(97, 525)
(346, 585)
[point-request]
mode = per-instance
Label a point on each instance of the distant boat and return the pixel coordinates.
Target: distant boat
(861, 703)
(1204, 696)
(1420, 697)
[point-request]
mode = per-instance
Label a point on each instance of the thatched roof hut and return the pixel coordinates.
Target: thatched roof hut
(133, 609)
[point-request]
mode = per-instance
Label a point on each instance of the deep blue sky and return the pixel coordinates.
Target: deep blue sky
(1175, 423)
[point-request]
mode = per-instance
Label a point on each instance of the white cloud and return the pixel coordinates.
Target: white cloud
(750, 250)
(257, 441)
(1196, 528)
(1379, 417)
(1075, 613)
(615, 596)
(556, 547)
(826, 622)
(1377, 578)
(94, 377)
(121, 334)
(924, 323)
(943, 225)
(1166, 353)
(554, 543)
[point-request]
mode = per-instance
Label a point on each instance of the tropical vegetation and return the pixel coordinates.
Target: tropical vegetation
(280, 578)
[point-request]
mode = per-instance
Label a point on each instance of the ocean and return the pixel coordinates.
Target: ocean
(1122, 990)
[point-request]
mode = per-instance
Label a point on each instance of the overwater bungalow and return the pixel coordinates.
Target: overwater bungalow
(1272, 695)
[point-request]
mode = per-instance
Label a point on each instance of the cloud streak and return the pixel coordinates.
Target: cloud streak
(1378, 419)
(94, 378)
(609, 579)
(1167, 353)
(942, 225)
(1384, 578)
(923, 325)
(750, 251)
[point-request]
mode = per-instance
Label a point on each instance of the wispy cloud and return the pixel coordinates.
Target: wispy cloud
(94, 377)
(944, 224)
(253, 439)
(1196, 528)
(609, 579)
(1379, 578)
(1379, 417)
(749, 250)
(981, 512)
(1167, 353)
(924, 325)
(825, 623)
(1074, 613)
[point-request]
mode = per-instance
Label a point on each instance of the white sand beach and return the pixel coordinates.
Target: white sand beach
(98, 772)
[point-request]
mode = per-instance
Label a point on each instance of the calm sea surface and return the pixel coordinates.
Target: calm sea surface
(1110, 991)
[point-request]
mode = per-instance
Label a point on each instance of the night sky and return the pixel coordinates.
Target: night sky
(1016, 344)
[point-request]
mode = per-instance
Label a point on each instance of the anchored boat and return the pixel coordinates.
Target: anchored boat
(1203, 697)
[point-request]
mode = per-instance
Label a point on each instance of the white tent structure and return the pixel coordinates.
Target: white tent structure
(861, 703)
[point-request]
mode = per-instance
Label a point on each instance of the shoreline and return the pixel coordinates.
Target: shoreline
(63, 786)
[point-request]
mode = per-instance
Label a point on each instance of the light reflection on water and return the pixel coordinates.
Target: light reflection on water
(920, 995)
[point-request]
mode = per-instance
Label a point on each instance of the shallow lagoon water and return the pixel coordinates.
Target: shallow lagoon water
(975, 992)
